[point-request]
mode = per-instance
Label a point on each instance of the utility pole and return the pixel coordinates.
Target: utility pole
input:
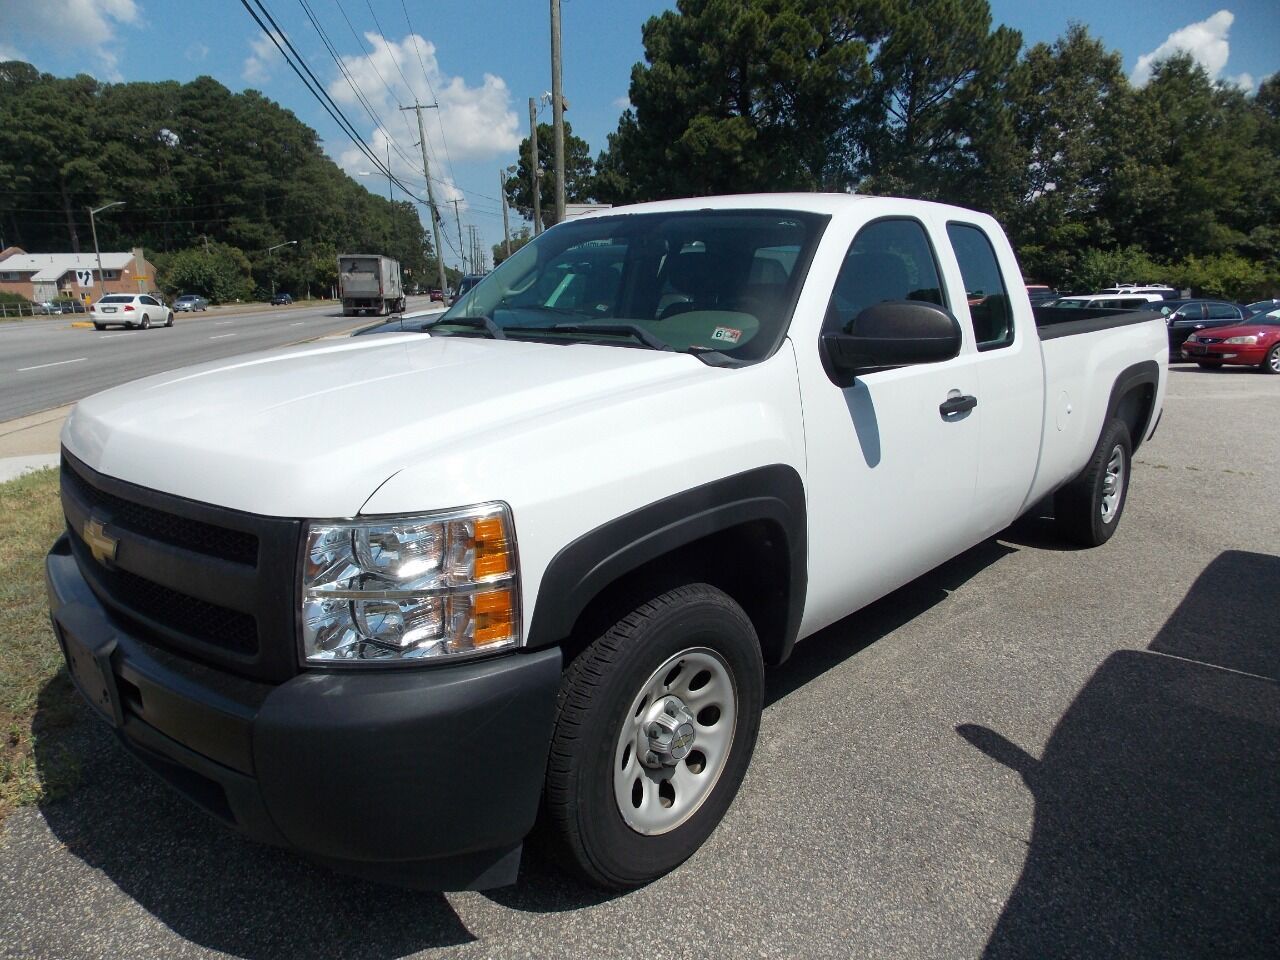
(462, 251)
(431, 194)
(506, 224)
(557, 107)
(94, 228)
(390, 192)
(534, 170)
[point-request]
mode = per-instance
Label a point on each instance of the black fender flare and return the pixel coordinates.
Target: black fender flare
(1146, 373)
(600, 557)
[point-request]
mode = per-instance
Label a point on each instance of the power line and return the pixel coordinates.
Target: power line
(413, 35)
(335, 112)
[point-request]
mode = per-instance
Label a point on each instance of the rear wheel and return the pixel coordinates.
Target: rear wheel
(1088, 509)
(146, 322)
(1272, 363)
(656, 722)
(99, 326)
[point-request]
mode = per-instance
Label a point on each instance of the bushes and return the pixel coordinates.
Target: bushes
(218, 272)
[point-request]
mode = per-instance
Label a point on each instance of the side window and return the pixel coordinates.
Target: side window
(150, 302)
(989, 304)
(888, 260)
(1223, 311)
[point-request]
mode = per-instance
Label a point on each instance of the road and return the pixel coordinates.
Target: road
(1032, 752)
(47, 362)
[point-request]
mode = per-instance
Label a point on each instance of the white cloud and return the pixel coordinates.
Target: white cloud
(1244, 81)
(478, 120)
(87, 24)
(264, 55)
(1206, 41)
(196, 52)
(10, 53)
(622, 103)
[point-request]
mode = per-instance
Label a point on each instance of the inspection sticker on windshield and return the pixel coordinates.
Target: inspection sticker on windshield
(726, 334)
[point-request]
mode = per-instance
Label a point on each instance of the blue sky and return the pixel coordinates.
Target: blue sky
(483, 59)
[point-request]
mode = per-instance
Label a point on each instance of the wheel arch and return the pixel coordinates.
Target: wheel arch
(745, 534)
(1133, 399)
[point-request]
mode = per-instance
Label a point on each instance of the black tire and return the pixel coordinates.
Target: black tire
(1272, 362)
(169, 322)
(146, 322)
(1208, 365)
(1079, 506)
(99, 326)
(581, 812)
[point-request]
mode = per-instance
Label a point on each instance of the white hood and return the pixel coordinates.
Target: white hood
(314, 431)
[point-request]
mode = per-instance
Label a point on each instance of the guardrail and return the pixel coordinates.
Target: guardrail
(14, 310)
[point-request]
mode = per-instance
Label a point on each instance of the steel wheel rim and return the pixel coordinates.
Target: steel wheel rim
(1113, 484)
(654, 801)
(1274, 359)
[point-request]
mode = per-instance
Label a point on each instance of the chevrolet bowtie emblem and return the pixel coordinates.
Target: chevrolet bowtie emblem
(102, 547)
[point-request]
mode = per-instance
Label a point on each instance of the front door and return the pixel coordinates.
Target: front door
(891, 475)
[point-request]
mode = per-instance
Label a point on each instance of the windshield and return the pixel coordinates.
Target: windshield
(721, 282)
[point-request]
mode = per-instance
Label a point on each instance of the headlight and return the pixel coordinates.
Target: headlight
(1249, 339)
(396, 589)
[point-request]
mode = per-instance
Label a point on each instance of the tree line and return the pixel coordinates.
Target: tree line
(1097, 180)
(211, 179)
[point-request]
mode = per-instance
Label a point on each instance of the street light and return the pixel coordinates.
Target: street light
(271, 263)
(94, 228)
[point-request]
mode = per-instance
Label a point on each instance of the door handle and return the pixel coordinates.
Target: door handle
(953, 405)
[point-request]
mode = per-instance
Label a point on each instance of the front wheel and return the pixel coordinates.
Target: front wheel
(656, 722)
(1088, 509)
(1272, 363)
(169, 322)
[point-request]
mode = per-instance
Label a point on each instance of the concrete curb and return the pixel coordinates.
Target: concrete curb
(13, 467)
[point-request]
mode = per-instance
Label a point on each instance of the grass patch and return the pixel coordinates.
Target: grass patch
(37, 702)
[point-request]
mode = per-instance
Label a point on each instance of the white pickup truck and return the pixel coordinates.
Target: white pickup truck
(387, 601)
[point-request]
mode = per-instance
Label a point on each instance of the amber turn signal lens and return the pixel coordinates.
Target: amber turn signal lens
(493, 617)
(493, 555)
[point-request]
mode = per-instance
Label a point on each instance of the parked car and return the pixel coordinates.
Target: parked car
(1185, 317)
(190, 302)
(281, 300)
(1040, 293)
(1166, 292)
(70, 306)
(46, 308)
(436, 294)
(413, 590)
(1254, 343)
(1111, 301)
(1263, 306)
(131, 310)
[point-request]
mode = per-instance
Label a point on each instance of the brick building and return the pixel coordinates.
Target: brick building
(48, 276)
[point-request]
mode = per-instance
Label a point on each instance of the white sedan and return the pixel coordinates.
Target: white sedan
(131, 310)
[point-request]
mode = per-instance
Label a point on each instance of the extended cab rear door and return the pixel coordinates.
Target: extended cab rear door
(1010, 373)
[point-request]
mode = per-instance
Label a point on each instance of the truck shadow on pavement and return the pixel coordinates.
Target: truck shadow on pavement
(1157, 819)
(218, 890)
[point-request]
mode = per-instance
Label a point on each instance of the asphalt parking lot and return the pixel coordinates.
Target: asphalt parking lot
(1031, 752)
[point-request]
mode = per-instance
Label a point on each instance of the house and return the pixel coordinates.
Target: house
(48, 276)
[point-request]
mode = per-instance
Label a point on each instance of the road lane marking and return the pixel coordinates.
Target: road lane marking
(56, 363)
(222, 336)
(222, 323)
(298, 324)
(109, 336)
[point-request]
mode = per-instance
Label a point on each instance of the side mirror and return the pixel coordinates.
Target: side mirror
(891, 334)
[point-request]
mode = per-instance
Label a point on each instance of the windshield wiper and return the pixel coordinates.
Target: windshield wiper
(484, 323)
(629, 329)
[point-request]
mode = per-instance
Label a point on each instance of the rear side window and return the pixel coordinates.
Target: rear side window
(888, 260)
(989, 305)
(1223, 311)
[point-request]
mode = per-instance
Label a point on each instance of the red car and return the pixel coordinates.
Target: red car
(1254, 343)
